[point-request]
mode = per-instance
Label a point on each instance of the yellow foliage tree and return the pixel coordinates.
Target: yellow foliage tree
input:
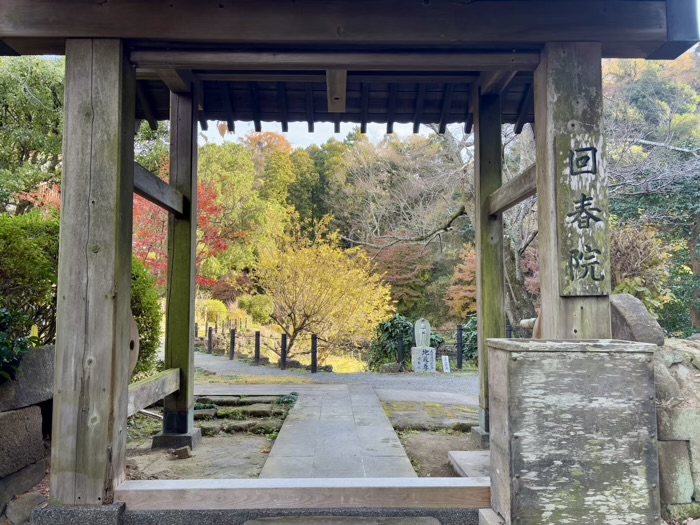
(319, 287)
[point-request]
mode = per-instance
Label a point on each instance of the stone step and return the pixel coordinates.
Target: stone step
(470, 464)
(342, 520)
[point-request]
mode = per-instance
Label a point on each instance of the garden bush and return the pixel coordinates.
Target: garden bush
(28, 279)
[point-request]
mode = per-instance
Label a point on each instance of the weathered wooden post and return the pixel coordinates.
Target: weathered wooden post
(460, 345)
(314, 353)
(94, 274)
(210, 340)
(233, 344)
(401, 357)
(490, 293)
(257, 347)
(283, 352)
(572, 203)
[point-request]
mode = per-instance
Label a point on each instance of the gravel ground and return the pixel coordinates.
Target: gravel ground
(463, 382)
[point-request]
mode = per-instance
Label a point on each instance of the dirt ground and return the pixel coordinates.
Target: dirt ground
(427, 450)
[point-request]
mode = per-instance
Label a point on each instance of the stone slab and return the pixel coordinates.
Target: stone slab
(419, 396)
(191, 440)
(33, 383)
(675, 476)
(489, 517)
(84, 515)
(21, 441)
(471, 464)
(342, 520)
(21, 481)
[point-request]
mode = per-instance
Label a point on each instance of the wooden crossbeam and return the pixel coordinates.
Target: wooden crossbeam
(364, 107)
(228, 108)
(147, 106)
(221, 494)
(336, 90)
(495, 82)
(144, 393)
(420, 103)
(391, 107)
(282, 102)
(513, 192)
(300, 76)
(158, 191)
(446, 106)
(255, 99)
(356, 61)
(309, 107)
(525, 108)
(177, 80)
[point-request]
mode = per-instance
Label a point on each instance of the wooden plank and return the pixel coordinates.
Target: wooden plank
(495, 81)
(336, 87)
(145, 101)
(503, 24)
(490, 295)
(309, 107)
(282, 102)
(157, 191)
(94, 274)
(513, 192)
(219, 494)
(446, 107)
(411, 61)
(144, 393)
(178, 413)
(364, 106)
(567, 72)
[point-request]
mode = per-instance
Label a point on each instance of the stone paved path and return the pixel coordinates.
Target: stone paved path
(333, 431)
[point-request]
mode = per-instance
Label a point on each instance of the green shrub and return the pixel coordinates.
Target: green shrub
(259, 307)
(470, 347)
(145, 305)
(28, 270)
(14, 341)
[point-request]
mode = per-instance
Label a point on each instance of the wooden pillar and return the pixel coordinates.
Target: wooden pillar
(491, 319)
(574, 248)
(178, 413)
(94, 274)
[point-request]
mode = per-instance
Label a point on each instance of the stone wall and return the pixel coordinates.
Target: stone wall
(23, 454)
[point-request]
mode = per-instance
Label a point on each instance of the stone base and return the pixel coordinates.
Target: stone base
(489, 517)
(481, 437)
(21, 481)
(191, 440)
(423, 359)
(61, 515)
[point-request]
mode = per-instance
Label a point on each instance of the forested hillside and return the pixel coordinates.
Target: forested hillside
(336, 237)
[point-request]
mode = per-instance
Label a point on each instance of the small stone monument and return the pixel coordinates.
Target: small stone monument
(422, 355)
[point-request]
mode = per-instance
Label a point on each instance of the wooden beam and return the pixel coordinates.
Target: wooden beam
(513, 192)
(420, 103)
(490, 272)
(568, 84)
(255, 104)
(495, 82)
(178, 408)
(683, 22)
(88, 447)
(391, 107)
(336, 88)
(147, 106)
(509, 24)
(157, 191)
(177, 80)
(282, 102)
(144, 393)
(411, 61)
(309, 107)
(446, 107)
(250, 494)
(300, 76)
(469, 115)
(364, 106)
(525, 108)
(228, 107)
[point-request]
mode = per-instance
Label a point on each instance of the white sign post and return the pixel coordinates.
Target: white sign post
(446, 364)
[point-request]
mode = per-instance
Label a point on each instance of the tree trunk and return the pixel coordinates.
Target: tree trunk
(694, 245)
